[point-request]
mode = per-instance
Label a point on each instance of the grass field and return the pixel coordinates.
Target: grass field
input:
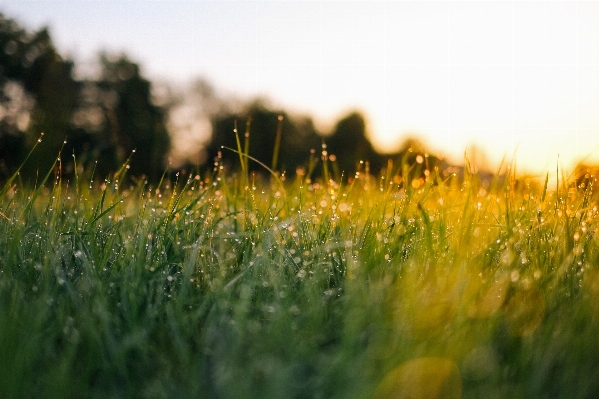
(237, 286)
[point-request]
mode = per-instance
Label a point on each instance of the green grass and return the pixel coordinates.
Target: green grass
(236, 286)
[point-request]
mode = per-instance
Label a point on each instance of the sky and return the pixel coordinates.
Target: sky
(518, 79)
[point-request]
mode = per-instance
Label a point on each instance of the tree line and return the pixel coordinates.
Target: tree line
(97, 123)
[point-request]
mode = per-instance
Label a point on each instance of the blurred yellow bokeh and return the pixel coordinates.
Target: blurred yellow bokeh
(425, 301)
(422, 378)
(484, 300)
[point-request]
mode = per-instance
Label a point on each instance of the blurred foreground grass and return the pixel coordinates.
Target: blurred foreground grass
(232, 286)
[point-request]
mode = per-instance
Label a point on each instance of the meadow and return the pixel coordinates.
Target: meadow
(234, 285)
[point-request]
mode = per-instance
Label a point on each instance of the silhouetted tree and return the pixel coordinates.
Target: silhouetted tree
(37, 94)
(585, 176)
(297, 138)
(119, 111)
(105, 118)
(350, 145)
(413, 161)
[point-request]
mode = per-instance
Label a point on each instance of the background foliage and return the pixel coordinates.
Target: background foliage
(106, 115)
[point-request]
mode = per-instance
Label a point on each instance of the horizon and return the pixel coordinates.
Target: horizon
(507, 77)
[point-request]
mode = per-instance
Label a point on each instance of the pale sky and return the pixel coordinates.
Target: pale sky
(513, 77)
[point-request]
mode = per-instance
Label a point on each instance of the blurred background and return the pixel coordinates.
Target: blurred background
(373, 80)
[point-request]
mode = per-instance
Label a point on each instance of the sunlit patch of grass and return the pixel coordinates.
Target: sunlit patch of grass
(237, 285)
(421, 378)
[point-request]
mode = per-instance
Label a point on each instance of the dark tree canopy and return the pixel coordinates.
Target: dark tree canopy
(350, 145)
(37, 94)
(102, 119)
(106, 118)
(298, 137)
(346, 146)
(130, 119)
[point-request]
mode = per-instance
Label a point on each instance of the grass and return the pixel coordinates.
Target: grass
(238, 286)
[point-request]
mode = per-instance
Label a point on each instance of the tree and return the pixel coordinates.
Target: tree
(298, 137)
(350, 145)
(414, 163)
(118, 109)
(37, 94)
